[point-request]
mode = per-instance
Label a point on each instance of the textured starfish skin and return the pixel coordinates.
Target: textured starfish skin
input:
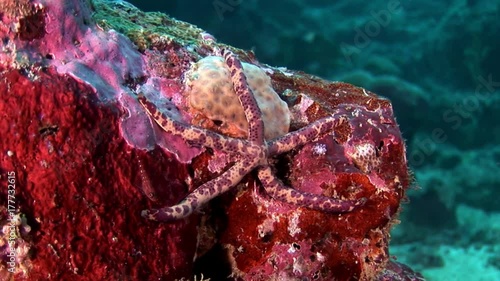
(249, 154)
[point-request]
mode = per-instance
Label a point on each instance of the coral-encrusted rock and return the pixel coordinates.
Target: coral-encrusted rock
(80, 179)
(364, 156)
(87, 159)
(77, 182)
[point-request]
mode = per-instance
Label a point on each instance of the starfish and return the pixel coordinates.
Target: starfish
(250, 154)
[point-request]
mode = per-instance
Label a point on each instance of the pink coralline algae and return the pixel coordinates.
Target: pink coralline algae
(314, 203)
(48, 33)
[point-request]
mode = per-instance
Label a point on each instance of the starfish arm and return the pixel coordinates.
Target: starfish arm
(191, 134)
(304, 135)
(201, 195)
(247, 100)
(276, 189)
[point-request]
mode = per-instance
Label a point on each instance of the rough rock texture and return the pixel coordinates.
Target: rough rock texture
(87, 160)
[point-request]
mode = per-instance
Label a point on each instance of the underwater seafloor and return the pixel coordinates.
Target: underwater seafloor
(79, 156)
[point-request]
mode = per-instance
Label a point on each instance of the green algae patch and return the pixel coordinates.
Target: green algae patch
(147, 30)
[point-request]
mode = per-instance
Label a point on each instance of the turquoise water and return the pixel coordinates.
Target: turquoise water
(438, 63)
